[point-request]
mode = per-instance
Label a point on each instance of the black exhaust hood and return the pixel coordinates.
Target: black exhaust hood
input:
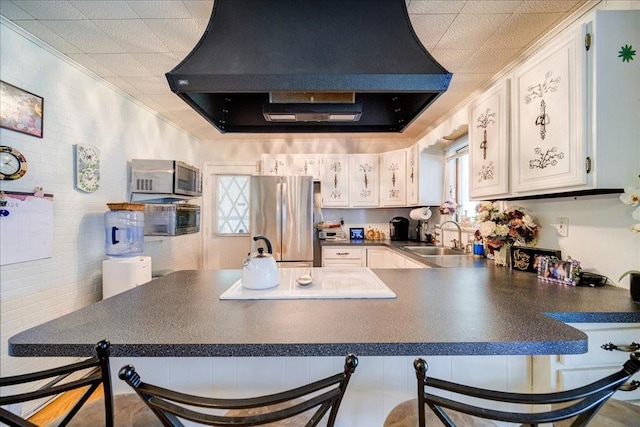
(284, 66)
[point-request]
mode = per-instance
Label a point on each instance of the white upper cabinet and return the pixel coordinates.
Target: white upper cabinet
(334, 184)
(393, 178)
(306, 164)
(275, 164)
(489, 143)
(549, 144)
(364, 190)
(575, 109)
(413, 175)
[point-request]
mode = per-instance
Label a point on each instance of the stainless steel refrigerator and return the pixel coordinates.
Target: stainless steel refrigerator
(282, 210)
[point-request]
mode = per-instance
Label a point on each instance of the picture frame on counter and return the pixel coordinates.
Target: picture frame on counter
(554, 270)
(356, 233)
(526, 258)
(21, 111)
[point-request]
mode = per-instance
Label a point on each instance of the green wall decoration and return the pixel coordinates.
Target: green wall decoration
(626, 53)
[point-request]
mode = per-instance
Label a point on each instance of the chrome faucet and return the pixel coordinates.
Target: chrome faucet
(457, 244)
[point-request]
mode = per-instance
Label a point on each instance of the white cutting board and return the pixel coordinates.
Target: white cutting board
(332, 282)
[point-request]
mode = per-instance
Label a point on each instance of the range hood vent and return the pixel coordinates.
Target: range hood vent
(284, 66)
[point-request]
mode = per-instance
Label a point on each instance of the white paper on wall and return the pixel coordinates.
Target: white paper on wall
(26, 227)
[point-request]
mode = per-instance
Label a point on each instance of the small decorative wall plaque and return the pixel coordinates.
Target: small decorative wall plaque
(87, 168)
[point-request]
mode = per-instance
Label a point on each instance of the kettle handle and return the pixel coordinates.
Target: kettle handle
(266, 241)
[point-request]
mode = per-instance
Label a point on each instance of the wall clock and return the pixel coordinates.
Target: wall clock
(13, 165)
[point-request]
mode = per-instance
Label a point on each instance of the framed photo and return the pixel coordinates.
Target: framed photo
(356, 233)
(554, 270)
(21, 111)
(526, 258)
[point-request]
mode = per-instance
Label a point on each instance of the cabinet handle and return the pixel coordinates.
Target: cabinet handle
(628, 348)
(633, 385)
(342, 253)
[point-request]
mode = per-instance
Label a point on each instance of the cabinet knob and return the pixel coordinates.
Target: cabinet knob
(634, 346)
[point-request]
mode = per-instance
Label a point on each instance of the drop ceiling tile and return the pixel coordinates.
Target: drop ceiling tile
(179, 35)
(11, 11)
(149, 85)
(435, 7)
(84, 35)
(132, 34)
(199, 8)
(38, 29)
(491, 6)
(122, 64)
(471, 31)
(431, 28)
(104, 9)
(549, 6)
(487, 61)
(520, 30)
(154, 9)
(451, 59)
(50, 9)
(91, 64)
(159, 63)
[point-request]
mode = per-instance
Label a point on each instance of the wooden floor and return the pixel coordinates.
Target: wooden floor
(61, 405)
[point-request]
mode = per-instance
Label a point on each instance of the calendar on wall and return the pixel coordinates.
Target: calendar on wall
(26, 227)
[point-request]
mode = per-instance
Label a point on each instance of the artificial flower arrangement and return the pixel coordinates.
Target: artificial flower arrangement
(631, 197)
(500, 225)
(448, 208)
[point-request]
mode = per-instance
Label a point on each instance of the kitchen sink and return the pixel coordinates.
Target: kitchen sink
(425, 251)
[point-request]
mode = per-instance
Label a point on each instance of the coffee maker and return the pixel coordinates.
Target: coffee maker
(399, 228)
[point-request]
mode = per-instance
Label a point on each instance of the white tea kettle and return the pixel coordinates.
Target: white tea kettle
(260, 270)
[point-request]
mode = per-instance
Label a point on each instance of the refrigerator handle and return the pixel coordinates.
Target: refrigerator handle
(283, 206)
(279, 216)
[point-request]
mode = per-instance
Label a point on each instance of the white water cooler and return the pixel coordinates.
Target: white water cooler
(121, 274)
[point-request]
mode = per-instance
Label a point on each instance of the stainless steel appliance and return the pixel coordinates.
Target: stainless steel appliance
(171, 219)
(422, 232)
(399, 228)
(282, 211)
(153, 176)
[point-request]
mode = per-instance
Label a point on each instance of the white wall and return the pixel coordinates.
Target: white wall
(78, 109)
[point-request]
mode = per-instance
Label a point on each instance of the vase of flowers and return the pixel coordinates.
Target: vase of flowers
(448, 209)
(503, 226)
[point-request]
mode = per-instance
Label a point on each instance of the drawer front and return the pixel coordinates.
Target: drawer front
(572, 378)
(342, 263)
(342, 253)
(619, 335)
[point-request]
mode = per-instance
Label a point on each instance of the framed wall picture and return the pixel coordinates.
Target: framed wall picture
(21, 111)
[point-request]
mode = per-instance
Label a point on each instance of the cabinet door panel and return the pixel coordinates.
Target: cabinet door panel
(413, 175)
(393, 178)
(364, 180)
(306, 164)
(489, 142)
(549, 115)
(335, 181)
(275, 164)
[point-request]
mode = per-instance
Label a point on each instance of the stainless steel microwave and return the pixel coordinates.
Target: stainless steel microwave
(152, 176)
(171, 219)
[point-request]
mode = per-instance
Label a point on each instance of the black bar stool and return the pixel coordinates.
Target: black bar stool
(306, 405)
(589, 404)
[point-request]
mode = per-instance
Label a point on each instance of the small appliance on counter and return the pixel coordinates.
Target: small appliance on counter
(422, 232)
(399, 228)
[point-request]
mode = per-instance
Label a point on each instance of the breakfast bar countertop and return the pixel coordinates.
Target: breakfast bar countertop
(437, 311)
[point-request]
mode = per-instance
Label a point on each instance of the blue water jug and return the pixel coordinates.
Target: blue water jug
(124, 233)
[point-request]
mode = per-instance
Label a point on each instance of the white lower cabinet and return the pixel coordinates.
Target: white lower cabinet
(387, 258)
(343, 256)
(563, 372)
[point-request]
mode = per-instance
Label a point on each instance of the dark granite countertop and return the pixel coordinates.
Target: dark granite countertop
(438, 311)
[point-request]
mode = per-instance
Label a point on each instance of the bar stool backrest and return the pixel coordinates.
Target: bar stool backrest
(171, 406)
(581, 403)
(98, 369)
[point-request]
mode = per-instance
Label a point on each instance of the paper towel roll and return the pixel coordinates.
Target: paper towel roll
(420, 214)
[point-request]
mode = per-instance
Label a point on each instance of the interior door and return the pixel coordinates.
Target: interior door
(221, 251)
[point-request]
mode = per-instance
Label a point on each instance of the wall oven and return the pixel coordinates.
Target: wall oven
(171, 219)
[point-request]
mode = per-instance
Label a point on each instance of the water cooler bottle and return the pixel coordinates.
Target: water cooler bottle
(124, 242)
